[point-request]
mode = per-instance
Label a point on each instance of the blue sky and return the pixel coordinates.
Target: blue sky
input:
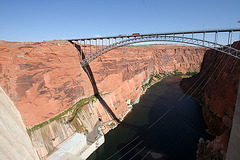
(38, 20)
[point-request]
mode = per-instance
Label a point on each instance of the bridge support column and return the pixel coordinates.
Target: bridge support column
(233, 151)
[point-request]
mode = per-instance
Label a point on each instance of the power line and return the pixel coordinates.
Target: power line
(146, 154)
(138, 153)
(122, 148)
(213, 72)
(161, 117)
(204, 73)
(222, 57)
(131, 149)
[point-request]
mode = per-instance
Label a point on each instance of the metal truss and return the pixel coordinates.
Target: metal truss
(93, 50)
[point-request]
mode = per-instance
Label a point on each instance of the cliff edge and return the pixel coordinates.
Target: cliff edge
(44, 79)
(55, 96)
(216, 88)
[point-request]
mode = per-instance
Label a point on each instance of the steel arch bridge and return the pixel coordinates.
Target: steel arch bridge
(91, 48)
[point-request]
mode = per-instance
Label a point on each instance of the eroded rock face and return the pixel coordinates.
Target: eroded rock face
(44, 79)
(216, 89)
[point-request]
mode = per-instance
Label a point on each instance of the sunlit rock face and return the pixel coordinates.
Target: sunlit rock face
(216, 89)
(45, 78)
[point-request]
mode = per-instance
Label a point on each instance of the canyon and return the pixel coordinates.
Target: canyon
(55, 96)
(216, 88)
(44, 79)
(56, 99)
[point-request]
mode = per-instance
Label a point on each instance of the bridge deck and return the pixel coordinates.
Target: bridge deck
(91, 48)
(167, 33)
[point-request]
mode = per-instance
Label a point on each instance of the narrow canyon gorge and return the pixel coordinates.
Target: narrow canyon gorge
(216, 89)
(56, 99)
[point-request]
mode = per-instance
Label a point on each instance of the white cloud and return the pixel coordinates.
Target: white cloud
(98, 35)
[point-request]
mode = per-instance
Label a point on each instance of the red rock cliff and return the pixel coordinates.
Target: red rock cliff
(44, 79)
(216, 89)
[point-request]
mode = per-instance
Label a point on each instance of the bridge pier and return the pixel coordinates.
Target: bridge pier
(233, 151)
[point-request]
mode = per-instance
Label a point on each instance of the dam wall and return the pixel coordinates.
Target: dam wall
(15, 142)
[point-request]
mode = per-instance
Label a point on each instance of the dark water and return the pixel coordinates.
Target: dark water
(159, 127)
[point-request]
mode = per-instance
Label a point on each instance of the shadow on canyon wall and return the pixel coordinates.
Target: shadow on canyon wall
(88, 71)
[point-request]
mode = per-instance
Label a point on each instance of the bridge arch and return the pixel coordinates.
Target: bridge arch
(180, 39)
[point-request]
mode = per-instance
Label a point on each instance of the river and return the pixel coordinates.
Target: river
(159, 127)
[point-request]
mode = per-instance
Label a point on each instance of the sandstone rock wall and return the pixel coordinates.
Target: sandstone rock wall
(45, 79)
(216, 89)
(15, 143)
(47, 136)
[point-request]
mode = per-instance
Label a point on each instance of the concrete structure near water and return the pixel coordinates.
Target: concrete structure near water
(70, 147)
(76, 148)
(90, 148)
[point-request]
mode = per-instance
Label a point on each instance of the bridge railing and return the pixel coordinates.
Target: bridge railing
(94, 47)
